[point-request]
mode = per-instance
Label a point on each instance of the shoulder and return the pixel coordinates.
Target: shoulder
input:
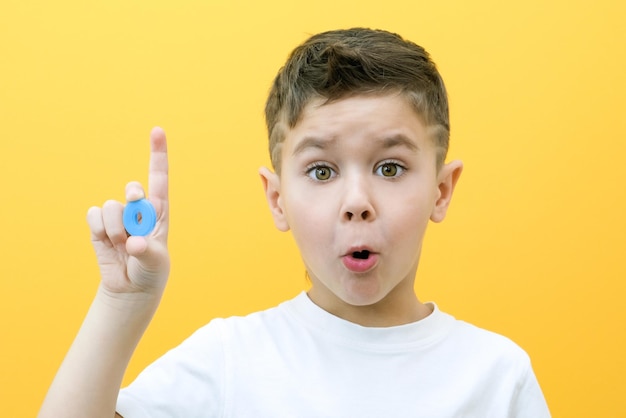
(496, 364)
(252, 326)
(477, 336)
(487, 348)
(473, 336)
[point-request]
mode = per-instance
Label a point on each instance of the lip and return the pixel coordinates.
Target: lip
(359, 265)
(356, 249)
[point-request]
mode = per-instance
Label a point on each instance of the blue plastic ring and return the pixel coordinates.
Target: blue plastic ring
(139, 217)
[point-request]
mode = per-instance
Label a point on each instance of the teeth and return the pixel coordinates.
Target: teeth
(361, 254)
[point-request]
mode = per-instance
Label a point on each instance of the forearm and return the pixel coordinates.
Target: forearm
(90, 377)
(134, 271)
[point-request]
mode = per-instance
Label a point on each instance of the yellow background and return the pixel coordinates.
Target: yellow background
(534, 244)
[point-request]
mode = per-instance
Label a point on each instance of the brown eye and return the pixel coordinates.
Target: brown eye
(322, 173)
(389, 170)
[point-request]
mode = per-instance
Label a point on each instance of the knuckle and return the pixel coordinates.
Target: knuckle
(110, 204)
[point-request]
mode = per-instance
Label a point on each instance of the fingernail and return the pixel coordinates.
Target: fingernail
(133, 195)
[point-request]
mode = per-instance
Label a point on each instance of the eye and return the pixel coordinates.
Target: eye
(390, 169)
(320, 173)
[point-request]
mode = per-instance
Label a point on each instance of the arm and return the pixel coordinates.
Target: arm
(134, 272)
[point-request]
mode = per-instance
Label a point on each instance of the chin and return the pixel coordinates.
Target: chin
(362, 297)
(359, 292)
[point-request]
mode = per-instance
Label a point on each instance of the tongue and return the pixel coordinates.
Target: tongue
(363, 255)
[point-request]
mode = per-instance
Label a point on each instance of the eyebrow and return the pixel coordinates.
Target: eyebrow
(313, 142)
(398, 140)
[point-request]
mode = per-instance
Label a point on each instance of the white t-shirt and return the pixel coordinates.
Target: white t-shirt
(297, 360)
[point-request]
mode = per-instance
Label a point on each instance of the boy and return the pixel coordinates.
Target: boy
(358, 128)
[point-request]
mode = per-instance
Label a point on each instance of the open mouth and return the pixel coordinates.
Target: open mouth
(360, 261)
(361, 255)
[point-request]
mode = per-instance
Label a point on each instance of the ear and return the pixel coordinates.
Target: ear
(446, 181)
(271, 186)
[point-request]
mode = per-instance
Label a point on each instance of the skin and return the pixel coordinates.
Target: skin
(382, 188)
(134, 271)
(360, 173)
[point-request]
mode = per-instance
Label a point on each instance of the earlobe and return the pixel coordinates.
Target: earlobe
(271, 187)
(446, 179)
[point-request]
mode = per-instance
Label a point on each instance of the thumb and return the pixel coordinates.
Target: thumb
(149, 259)
(136, 246)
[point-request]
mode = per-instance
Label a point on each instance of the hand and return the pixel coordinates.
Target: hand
(132, 265)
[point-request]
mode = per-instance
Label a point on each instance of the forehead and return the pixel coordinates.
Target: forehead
(389, 118)
(376, 103)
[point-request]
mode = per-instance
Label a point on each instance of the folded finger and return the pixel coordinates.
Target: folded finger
(134, 191)
(96, 224)
(112, 219)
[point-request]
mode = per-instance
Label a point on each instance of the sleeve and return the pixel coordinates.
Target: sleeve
(529, 401)
(188, 381)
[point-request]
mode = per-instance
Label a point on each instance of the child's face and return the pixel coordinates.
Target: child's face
(358, 186)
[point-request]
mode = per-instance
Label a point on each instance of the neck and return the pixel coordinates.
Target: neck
(388, 312)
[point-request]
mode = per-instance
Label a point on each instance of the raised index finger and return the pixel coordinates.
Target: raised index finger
(158, 172)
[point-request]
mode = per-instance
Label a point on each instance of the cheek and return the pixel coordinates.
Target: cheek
(313, 239)
(408, 220)
(309, 219)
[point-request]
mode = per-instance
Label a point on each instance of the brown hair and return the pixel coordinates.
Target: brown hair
(337, 64)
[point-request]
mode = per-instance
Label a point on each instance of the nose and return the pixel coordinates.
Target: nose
(357, 204)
